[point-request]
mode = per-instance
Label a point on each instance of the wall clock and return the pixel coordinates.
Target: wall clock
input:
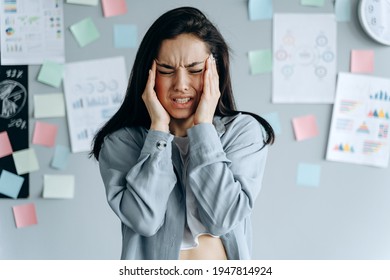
(374, 16)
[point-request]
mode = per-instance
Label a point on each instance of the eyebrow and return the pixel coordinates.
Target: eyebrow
(193, 64)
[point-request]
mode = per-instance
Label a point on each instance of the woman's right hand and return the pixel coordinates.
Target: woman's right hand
(158, 115)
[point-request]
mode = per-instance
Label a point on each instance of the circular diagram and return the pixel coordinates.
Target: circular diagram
(13, 96)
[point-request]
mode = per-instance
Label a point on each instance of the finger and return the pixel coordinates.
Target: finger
(152, 75)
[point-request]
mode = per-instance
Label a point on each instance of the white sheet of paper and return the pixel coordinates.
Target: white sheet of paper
(304, 58)
(359, 131)
(94, 91)
(49, 105)
(32, 31)
(58, 186)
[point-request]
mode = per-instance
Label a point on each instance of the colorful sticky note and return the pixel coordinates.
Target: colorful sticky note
(260, 61)
(114, 7)
(51, 73)
(343, 10)
(60, 158)
(10, 184)
(125, 36)
(305, 127)
(5, 145)
(25, 215)
(308, 175)
(49, 105)
(83, 2)
(260, 9)
(45, 134)
(58, 186)
(25, 161)
(315, 3)
(85, 32)
(274, 120)
(362, 61)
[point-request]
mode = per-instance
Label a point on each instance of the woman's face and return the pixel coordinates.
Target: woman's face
(179, 74)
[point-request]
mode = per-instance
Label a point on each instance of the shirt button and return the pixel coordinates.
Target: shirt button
(161, 145)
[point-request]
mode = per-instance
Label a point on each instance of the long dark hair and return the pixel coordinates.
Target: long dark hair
(184, 20)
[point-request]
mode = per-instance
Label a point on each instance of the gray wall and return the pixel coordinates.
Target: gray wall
(347, 217)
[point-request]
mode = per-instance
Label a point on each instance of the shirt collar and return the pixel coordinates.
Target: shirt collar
(220, 123)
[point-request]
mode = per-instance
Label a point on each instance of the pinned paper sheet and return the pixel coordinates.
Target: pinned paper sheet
(25, 161)
(274, 120)
(315, 3)
(58, 186)
(83, 2)
(114, 7)
(343, 10)
(45, 134)
(260, 9)
(260, 61)
(125, 36)
(5, 145)
(308, 175)
(25, 215)
(362, 61)
(60, 158)
(10, 184)
(85, 32)
(305, 127)
(49, 105)
(51, 73)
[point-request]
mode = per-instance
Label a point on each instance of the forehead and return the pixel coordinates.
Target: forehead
(183, 49)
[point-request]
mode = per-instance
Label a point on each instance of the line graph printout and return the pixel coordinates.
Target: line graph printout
(94, 90)
(304, 58)
(359, 131)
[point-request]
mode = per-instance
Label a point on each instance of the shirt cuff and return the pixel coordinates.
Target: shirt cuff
(157, 142)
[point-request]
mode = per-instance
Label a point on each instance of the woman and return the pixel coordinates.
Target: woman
(182, 168)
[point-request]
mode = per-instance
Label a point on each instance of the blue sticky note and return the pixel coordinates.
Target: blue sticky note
(343, 10)
(60, 157)
(51, 73)
(315, 3)
(260, 9)
(125, 36)
(10, 184)
(308, 175)
(274, 120)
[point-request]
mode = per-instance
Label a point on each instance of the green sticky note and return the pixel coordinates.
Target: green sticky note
(316, 3)
(51, 73)
(260, 61)
(85, 32)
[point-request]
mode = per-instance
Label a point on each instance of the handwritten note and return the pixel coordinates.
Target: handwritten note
(5, 144)
(25, 161)
(362, 61)
(49, 105)
(51, 73)
(260, 61)
(260, 9)
(85, 32)
(25, 215)
(45, 134)
(10, 184)
(58, 186)
(114, 7)
(125, 36)
(305, 127)
(308, 175)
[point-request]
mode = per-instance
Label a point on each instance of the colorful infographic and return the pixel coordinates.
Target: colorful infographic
(359, 130)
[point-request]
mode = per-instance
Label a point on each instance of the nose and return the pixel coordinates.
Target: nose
(181, 80)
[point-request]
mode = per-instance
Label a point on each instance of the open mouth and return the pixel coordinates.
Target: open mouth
(182, 100)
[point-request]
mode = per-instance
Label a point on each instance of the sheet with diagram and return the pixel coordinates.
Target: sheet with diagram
(32, 31)
(304, 58)
(94, 90)
(359, 131)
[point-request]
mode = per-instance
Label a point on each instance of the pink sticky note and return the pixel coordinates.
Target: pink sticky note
(362, 61)
(25, 215)
(305, 127)
(114, 7)
(5, 145)
(44, 134)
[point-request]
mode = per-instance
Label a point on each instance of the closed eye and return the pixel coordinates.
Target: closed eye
(165, 72)
(196, 71)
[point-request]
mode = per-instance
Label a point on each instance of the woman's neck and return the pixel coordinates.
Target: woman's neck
(178, 127)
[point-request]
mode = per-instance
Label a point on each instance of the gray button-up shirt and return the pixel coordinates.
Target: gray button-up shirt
(140, 170)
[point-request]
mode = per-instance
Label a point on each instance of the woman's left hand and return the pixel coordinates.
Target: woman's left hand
(211, 94)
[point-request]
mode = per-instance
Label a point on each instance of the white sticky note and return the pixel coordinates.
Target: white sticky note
(50, 105)
(58, 186)
(83, 2)
(25, 161)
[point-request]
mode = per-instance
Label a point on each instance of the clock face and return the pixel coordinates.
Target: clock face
(374, 16)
